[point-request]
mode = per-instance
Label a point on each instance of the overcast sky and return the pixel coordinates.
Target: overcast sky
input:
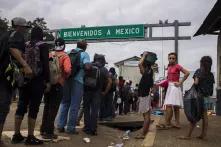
(74, 13)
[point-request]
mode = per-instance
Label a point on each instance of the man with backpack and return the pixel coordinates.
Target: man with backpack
(11, 43)
(60, 70)
(97, 84)
(31, 93)
(73, 89)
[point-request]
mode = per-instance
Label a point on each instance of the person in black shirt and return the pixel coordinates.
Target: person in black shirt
(15, 46)
(30, 95)
(144, 89)
(92, 98)
(204, 82)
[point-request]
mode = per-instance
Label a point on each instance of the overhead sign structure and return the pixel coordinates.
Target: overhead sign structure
(104, 32)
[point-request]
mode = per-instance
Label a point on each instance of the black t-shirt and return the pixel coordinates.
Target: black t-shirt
(146, 83)
(206, 82)
(16, 40)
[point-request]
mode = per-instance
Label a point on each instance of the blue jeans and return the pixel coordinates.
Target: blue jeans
(69, 107)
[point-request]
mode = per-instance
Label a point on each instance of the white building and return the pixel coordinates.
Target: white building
(129, 69)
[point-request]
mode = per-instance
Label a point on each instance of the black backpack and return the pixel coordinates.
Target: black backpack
(75, 57)
(92, 78)
(4, 52)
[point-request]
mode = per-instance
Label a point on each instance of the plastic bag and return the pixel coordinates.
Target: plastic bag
(193, 105)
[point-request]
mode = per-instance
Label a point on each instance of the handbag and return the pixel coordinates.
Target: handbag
(193, 104)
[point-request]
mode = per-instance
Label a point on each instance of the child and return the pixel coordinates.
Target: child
(204, 80)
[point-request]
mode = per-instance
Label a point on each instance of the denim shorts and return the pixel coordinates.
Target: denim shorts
(206, 103)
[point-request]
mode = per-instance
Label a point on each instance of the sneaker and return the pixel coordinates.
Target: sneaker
(42, 133)
(32, 140)
(93, 133)
(2, 144)
(17, 138)
(86, 131)
(108, 119)
(60, 130)
(49, 136)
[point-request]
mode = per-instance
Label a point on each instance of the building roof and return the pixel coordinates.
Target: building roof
(212, 23)
(134, 58)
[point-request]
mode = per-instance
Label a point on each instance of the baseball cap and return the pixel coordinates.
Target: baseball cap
(19, 21)
(59, 42)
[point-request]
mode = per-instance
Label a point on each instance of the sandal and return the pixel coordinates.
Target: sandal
(140, 136)
(201, 137)
(176, 126)
(184, 138)
(163, 127)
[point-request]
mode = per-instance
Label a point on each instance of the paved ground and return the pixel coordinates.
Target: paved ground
(106, 135)
(169, 138)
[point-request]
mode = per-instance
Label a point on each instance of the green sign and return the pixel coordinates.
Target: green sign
(104, 32)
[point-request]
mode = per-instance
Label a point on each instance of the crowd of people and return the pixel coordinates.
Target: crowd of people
(73, 86)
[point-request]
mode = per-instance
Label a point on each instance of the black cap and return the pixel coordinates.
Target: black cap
(59, 42)
(100, 58)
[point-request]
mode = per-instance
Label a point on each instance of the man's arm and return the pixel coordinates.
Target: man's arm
(18, 56)
(87, 66)
(86, 61)
(108, 87)
(141, 63)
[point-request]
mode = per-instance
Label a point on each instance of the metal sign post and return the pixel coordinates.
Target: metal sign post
(122, 33)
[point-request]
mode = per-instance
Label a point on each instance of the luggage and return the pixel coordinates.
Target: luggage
(151, 58)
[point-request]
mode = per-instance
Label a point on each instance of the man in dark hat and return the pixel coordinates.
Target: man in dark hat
(92, 96)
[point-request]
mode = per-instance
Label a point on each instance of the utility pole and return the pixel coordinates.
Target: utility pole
(176, 35)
